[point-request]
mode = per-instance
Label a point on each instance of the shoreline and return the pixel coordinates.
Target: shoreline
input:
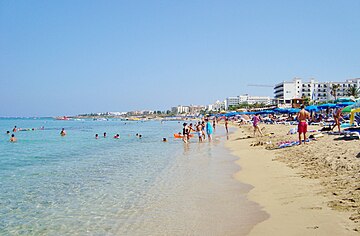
(296, 205)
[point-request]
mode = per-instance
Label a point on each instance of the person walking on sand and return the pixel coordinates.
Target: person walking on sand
(256, 121)
(302, 117)
(337, 116)
(226, 125)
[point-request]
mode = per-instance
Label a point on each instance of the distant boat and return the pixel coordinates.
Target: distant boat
(101, 119)
(62, 118)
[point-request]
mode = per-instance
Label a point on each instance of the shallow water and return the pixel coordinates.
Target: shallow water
(77, 184)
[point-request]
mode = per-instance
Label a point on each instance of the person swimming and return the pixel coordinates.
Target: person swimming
(63, 132)
(8, 132)
(14, 129)
(104, 134)
(96, 136)
(164, 140)
(13, 139)
(117, 136)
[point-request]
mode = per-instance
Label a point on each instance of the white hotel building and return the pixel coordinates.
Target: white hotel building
(315, 90)
(234, 101)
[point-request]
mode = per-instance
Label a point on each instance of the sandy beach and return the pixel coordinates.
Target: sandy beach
(312, 189)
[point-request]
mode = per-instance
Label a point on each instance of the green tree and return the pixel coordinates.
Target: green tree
(334, 89)
(306, 100)
(353, 91)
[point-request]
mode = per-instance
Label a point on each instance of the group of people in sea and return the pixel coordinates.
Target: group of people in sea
(16, 129)
(116, 136)
(203, 129)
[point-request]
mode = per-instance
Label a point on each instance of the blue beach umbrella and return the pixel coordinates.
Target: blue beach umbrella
(265, 112)
(345, 104)
(312, 108)
(327, 105)
(280, 110)
(293, 110)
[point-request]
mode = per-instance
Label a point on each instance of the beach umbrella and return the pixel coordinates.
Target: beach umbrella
(356, 105)
(352, 115)
(312, 108)
(348, 99)
(280, 110)
(344, 104)
(347, 109)
(327, 105)
(293, 110)
(265, 112)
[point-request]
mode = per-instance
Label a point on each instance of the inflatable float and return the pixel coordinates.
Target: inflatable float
(181, 136)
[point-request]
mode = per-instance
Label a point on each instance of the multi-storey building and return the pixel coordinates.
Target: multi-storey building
(217, 106)
(318, 91)
(234, 101)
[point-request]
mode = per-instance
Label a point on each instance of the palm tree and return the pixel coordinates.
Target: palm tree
(334, 89)
(353, 91)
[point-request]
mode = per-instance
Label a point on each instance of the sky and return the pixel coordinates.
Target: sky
(73, 57)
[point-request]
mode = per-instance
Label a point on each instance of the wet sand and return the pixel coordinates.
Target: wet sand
(197, 195)
(307, 190)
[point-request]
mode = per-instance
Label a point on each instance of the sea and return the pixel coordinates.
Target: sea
(79, 185)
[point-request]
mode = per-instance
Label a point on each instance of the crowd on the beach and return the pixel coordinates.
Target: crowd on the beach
(331, 120)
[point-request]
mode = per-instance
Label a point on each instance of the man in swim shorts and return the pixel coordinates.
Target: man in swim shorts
(302, 117)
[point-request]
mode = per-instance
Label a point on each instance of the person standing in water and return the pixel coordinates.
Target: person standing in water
(302, 126)
(185, 132)
(13, 139)
(209, 129)
(199, 131)
(62, 133)
(203, 130)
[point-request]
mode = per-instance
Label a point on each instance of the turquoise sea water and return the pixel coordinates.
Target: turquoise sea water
(79, 185)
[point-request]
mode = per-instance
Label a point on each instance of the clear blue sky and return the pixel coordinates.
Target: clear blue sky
(71, 57)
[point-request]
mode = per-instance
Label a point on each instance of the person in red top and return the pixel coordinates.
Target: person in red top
(302, 117)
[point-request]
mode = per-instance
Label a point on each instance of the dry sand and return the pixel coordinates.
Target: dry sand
(312, 189)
